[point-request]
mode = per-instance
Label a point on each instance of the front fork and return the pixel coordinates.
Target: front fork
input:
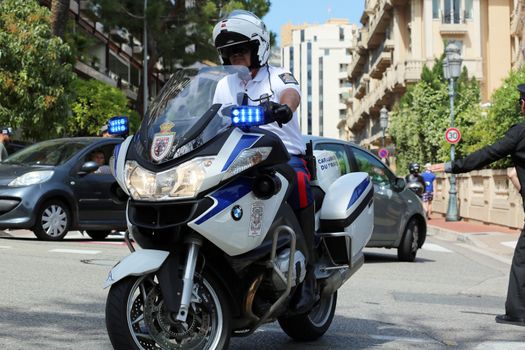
(189, 271)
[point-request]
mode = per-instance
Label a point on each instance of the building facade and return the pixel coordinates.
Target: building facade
(318, 56)
(399, 37)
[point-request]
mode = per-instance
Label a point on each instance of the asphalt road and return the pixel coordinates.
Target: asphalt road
(51, 297)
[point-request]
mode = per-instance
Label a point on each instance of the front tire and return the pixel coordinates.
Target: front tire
(52, 221)
(138, 325)
(407, 249)
(314, 324)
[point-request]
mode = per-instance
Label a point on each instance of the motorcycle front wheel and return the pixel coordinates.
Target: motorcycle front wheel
(136, 317)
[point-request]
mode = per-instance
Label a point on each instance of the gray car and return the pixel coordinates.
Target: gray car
(55, 186)
(399, 219)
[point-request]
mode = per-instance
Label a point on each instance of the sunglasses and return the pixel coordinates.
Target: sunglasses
(241, 49)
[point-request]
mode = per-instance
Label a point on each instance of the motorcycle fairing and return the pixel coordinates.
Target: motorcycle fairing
(138, 263)
(250, 230)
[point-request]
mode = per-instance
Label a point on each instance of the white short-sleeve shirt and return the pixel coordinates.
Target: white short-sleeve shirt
(279, 80)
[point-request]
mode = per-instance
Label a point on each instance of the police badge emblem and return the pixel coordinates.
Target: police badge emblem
(162, 142)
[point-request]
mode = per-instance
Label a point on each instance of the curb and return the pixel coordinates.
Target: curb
(448, 234)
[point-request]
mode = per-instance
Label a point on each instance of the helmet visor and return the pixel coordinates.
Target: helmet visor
(239, 49)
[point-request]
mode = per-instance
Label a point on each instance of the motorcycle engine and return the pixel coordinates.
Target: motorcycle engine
(298, 272)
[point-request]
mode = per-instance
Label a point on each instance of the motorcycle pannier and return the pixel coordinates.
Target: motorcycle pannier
(347, 217)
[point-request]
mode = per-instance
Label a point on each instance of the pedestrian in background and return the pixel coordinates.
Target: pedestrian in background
(5, 138)
(513, 143)
(103, 132)
(428, 196)
(414, 180)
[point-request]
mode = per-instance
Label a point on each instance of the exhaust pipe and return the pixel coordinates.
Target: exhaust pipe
(338, 278)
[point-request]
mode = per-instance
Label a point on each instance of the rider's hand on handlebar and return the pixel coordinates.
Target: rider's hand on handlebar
(279, 113)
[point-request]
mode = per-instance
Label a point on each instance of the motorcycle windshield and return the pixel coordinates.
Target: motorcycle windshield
(183, 117)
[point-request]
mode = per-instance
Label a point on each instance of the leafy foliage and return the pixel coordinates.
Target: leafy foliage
(35, 71)
(95, 103)
(502, 114)
(422, 115)
(177, 36)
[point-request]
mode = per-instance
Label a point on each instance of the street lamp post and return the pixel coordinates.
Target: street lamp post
(452, 70)
(383, 122)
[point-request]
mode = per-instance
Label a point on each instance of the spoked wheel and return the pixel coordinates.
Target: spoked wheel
(311, 326)
(136, 317)
(52, 221)
(407, 249)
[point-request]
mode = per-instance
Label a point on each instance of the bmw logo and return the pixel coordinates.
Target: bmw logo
(236, 213)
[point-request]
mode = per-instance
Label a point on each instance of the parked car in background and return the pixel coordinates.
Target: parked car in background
(54, 186)
(399, 219)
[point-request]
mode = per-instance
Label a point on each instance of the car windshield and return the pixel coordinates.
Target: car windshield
(183, 116)
(52, 152)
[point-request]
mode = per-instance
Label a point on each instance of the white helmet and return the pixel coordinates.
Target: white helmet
(243, 27)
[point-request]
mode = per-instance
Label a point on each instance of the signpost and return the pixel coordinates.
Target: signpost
(383, 153)
(452, 135)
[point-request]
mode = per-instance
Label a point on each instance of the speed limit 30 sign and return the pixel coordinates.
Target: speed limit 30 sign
(452, 135)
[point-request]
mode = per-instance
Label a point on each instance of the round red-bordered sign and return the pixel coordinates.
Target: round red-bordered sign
(452, 135)
(383, 153)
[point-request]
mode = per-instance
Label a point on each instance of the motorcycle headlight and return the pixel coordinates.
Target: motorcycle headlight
(32, 178)
(246, 159)
(183, 181)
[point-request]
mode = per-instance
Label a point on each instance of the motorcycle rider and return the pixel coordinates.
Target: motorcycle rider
(242, 39)
(414, 180)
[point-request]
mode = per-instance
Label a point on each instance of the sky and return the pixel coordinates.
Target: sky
(311, 11)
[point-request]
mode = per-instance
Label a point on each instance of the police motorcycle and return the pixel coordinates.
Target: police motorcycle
(220, 252)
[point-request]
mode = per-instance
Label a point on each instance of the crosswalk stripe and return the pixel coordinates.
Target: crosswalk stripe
(75, 251)
(435, 248)
(5, 247)
(511, 244)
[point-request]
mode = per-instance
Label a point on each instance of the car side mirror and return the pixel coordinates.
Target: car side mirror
(399, 184)
(87, 168)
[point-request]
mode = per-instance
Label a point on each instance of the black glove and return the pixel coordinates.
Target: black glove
(279, 113)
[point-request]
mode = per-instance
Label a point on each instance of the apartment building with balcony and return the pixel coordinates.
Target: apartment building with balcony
(318, 56)
(517, 29)
(399, 37)
(114, 57)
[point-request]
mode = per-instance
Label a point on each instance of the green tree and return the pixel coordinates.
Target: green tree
(500, 116)
(177, 36)
(35, 71)
(95, 103)
(422, 115)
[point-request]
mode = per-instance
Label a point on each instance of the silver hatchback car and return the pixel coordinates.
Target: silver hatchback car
(399, 219)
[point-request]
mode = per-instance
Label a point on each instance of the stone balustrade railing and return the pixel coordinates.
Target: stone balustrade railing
(485, 196)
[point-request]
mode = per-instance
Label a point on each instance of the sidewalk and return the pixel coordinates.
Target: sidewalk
(493, 240)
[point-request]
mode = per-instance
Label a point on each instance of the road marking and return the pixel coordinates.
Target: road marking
(511, 244)
(403, 339)
(5, 247)
(75, 251)
(498, 345)
(436, 248)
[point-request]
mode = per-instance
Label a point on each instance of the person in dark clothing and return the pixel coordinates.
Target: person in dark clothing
(512, 144)
(414, 180)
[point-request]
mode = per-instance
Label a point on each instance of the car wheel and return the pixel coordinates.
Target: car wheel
(52, 221)
(407, 249)
(98, 235)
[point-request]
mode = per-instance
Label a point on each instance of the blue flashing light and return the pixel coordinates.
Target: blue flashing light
(246, 116)
(118, 125)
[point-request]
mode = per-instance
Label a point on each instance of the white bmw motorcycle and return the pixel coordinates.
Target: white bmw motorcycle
(221, 252)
